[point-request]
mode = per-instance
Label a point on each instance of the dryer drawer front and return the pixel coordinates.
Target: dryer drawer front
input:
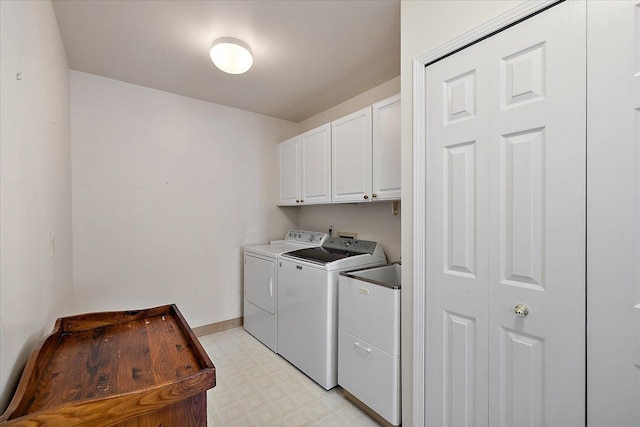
(370, 374)
(371, 312)
(261, 325)
(260, 283)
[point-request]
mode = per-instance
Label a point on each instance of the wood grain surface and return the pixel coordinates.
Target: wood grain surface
(132, 368)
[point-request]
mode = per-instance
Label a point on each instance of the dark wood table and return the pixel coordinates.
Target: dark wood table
(125, 369)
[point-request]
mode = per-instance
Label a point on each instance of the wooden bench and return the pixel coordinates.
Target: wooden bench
(125, 369)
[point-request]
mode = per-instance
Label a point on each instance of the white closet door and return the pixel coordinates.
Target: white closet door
(505, 226)
(613, 206)
(457, 265)
(537, 164)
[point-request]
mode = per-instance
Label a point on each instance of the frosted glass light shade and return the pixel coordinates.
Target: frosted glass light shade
(231, 55)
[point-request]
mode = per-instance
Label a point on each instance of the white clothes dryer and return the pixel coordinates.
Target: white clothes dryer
(261, 284)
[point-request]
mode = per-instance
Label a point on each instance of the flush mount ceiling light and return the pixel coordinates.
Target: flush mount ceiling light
(231, 55)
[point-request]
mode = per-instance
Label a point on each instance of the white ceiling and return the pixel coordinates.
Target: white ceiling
(309, 55)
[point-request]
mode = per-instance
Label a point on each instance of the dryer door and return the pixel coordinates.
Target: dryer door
(260, 282)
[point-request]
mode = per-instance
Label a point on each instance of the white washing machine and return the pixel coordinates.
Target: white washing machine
(261, 284)
(308, 303)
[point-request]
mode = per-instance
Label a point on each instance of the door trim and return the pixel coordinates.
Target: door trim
(499, 23)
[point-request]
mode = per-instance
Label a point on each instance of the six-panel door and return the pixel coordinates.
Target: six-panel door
(506, 156)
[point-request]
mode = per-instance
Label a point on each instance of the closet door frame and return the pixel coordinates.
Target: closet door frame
(420, 63)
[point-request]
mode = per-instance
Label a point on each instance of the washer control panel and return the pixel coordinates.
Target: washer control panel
(350, 245)
(308, 237)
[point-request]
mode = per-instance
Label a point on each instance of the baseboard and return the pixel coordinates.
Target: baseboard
(217, 327)
(364, 408)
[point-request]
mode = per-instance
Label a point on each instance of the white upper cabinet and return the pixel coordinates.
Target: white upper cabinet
(386, 149)
(366, 154)
(316, 165)
(350, 160)
(289, 172)
(351, 155)
(304, 168)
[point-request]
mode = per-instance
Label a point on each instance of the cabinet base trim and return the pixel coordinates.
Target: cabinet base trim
(364, 408)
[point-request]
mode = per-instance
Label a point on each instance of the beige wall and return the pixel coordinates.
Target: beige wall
(166, 192)
(378, 93)
(372, 221)
(35, 183)
(425, 25)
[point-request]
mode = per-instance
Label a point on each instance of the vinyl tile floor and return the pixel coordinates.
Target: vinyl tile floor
(256, 387)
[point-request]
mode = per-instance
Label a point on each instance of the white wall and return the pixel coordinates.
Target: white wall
(425, 25)
(166, 192)
(35, 183)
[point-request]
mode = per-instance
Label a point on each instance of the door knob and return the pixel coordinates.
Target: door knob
(366, 197)
(521, 310)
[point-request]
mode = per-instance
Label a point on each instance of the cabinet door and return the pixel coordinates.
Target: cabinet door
(370, 312)
(289, 172)
(370, 374)
(315, 147)
(386, 149)
(351, 154)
